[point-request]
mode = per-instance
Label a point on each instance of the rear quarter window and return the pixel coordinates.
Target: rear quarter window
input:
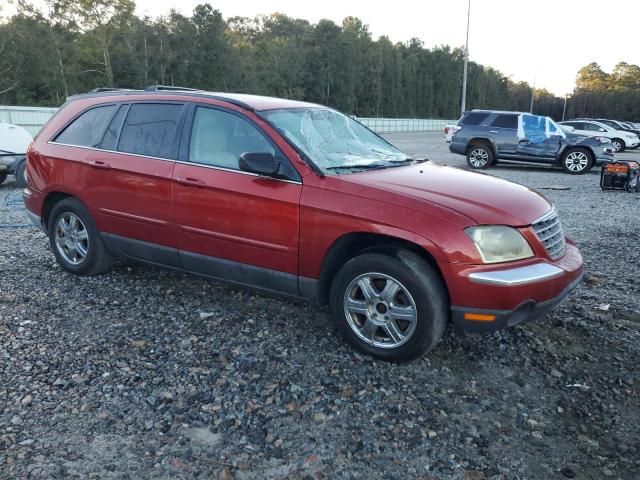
(474, 118)
(87, 129)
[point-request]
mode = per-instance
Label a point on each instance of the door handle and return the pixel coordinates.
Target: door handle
(99, 164)
(494, 131)
(193, 182)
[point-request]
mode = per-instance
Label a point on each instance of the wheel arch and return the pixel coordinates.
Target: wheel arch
(356, 243)
(482, 141)
(571, 148)
(621, 140)
(49, 202)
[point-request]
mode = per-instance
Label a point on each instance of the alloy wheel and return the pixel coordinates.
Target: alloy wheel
(617, 146)
(478, 157)
(71, 238)
(576, 161)
(380, 310)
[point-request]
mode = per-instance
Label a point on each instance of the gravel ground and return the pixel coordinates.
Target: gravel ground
(145, 373)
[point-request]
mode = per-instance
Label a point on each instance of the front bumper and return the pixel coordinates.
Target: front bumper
(527, 311)
(488, 299)
(9, 163)
(603, 153)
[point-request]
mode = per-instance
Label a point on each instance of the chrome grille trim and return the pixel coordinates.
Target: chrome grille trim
(549, 231)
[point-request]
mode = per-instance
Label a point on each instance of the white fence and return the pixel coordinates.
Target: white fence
(30, 118)
(33, 118)
(402, 125)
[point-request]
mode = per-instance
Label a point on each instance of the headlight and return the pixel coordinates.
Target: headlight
(603, 140)
(497, 243)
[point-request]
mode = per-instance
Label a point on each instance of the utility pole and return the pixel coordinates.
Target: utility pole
(533, 94)
(564, 109)
(463, 106)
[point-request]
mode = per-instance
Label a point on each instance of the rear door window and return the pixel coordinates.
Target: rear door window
(110, 139)
(88, 129)
(150, 130)
(506, 121)
(474, 118)
(591, 127)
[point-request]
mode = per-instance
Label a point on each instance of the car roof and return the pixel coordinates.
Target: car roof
(247, 101)
(482, 110)
(600, 124)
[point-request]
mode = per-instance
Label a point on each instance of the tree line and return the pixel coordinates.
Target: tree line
(56, 48)
(608, 95)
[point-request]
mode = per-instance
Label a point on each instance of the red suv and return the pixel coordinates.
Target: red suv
(298, 199)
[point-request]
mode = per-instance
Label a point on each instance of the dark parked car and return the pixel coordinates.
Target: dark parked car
(488, 136)
(298, 199)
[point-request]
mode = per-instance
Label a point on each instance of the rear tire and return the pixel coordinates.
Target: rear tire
(75, 241)
(577, 161)
(618, 145)
(21, 177)
(398, 314)
(480, 156)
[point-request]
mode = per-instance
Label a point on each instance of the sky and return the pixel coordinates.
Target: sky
(546, 41)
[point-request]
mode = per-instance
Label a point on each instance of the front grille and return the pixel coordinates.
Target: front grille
(550, 233)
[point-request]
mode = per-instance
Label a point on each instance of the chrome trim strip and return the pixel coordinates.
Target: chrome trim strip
(131, 216)
(213, 167)
(510, 277)
(175, 161)
(236, 239)
(546, 216)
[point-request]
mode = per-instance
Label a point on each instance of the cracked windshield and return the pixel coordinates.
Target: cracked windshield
(334, 141)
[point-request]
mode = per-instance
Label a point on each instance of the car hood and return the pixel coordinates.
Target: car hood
(483, 198)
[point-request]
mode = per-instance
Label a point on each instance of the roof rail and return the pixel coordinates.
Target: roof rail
(160, 88)
(157, 88)
(111, 89)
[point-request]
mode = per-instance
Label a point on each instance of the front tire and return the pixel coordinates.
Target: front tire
(75, 241)
(480, 157)
(390, 306)
(618, 145)
(577, 161)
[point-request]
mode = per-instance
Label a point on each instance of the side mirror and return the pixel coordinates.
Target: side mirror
(262, 163)
(601, 130)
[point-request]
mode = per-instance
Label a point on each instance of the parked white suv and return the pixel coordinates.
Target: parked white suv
(619, 139)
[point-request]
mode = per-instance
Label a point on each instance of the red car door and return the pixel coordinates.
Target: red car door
(233, 224)
(129, 186)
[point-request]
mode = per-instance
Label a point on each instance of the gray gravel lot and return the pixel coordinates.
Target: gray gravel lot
(145, 373)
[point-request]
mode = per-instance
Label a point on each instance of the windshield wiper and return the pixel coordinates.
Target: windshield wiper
(355, 166)
(409, 160)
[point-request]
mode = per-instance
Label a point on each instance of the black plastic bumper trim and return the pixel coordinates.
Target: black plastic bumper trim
(527, 311)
